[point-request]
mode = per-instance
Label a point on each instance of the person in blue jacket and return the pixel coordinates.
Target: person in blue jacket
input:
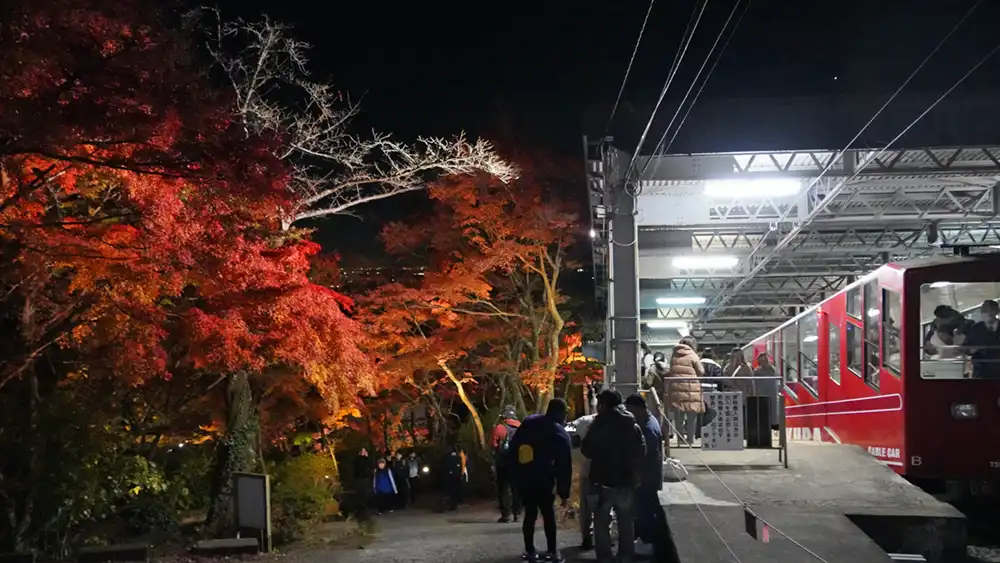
(384, 486)
(541, 457)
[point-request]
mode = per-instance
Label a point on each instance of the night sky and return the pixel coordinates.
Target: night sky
(543, 68)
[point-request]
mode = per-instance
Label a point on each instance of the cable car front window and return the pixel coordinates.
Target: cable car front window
(960, 330)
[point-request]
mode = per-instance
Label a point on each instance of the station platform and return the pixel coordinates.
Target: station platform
(835, 500)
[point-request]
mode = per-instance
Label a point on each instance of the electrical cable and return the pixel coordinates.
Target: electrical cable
(689, 32)
(742, 503)
(697, 95)
(685, 43)
(628, 69)
(722, 297)
(830, 196)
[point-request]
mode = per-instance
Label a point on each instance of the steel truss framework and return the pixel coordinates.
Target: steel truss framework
(866, 210)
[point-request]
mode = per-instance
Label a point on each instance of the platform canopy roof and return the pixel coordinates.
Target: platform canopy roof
(733, 244)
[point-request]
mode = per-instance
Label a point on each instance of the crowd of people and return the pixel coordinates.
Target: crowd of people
(622, 474)
(392, 482)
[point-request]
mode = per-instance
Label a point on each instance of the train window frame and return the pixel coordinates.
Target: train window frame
(854, 348)
(811, 317)
(872, 327)
(833, 349)
(890, 297)
(854, 306)
(793, 327)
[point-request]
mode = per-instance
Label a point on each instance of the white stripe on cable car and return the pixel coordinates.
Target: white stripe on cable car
(897, 395)
(898, 407)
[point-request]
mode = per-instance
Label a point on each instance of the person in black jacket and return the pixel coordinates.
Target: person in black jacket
(541, 457)
(363, 483)
(616, 449)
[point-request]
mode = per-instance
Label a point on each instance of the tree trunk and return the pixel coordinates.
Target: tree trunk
(235, 452)
(480, 433)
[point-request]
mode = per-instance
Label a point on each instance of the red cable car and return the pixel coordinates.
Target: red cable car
(905, 363)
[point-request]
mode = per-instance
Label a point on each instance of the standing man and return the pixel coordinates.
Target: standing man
(507, 496)
(541, 457)
(616, 449)
(588, 493)
(647, 500)
(451, 475)
(362, 483)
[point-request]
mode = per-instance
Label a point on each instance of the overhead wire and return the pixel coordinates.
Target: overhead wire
(724, 296)
(657, 150)
(740, 501)
(686, 38)
(628, 69)
(682, 51)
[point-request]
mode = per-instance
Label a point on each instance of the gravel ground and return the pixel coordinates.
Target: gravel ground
(471, 535)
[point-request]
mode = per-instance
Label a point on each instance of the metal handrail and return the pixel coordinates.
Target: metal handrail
(780, 397)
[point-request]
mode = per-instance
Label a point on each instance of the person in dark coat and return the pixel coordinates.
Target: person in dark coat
(647, 499)
(541, 457)
(401, 474)
(616, 449)
(451, 475)
(362, 482)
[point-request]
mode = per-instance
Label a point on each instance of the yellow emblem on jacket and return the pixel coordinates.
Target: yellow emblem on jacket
(525, 454)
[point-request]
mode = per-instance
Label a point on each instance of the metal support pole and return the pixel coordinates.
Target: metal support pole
(625, 290)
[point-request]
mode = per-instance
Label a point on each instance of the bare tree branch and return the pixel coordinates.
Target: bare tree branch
(333, 170)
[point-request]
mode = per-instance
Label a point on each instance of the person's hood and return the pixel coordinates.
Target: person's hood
(710, 361)
(683, 351)
(512, 422)
(620, 417)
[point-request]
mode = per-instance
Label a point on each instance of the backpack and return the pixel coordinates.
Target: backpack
(504, 446)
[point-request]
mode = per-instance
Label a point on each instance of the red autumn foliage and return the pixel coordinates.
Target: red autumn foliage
(138, 221)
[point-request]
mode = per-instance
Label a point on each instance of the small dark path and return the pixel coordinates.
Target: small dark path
(471, 535)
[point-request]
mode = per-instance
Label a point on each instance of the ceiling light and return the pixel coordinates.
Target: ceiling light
(707, 262)
(676, 301)
(749, 189)
(938, 285)
(669, 323)
(873, 312)
(810, 338)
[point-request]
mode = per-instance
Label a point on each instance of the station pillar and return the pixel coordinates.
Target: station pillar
(623, 310)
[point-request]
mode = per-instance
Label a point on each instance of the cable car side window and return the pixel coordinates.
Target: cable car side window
(854, 348)
(834, 345)
(790, 352)
(873, 315)
(955, 341)
(809, 351)
(854, 302)
(892, 308)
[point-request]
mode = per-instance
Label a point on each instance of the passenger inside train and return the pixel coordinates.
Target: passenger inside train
(963, 331)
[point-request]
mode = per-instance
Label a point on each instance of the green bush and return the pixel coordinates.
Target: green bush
(302, 494)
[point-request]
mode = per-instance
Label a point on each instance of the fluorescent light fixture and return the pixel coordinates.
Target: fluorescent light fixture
(810, 338)
(753, 189)
(676, 301)
(938, 285)
(666, 323)
(706, 262)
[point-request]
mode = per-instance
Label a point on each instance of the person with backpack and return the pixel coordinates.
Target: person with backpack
(507, 495)
(541, 457)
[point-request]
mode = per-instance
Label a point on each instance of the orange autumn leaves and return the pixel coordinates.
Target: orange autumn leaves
(139, 222)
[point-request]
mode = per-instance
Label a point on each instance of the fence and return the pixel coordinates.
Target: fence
(766, 387)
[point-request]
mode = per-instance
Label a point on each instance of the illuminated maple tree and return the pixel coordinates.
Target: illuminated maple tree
(140, 223)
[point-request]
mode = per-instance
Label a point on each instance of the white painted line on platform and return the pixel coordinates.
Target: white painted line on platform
(687, 493)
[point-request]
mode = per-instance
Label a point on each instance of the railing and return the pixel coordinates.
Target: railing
(773, 390)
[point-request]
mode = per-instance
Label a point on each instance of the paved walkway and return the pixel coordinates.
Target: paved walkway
(472, 535)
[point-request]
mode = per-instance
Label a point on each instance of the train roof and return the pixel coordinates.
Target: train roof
(932, 261)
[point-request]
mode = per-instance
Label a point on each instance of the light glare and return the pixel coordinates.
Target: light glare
(668, 301)
(753, 189)
(705, 262)
(667, 324)
(939, 285)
